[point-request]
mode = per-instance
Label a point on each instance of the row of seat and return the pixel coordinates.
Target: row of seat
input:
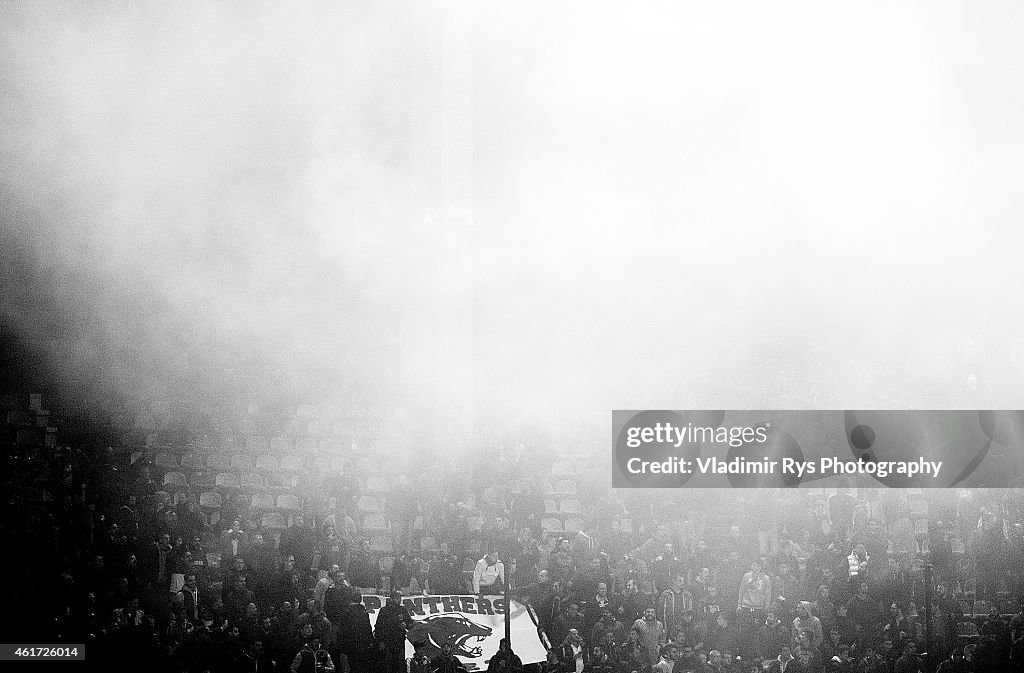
(566, 506)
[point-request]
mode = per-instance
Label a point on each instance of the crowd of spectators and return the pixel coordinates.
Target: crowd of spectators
(210, 551)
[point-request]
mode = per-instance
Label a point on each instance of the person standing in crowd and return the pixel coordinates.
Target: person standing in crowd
(674, 600)
(393, 622)
(572, 653)
(489, 576)
(504, 660)
(755, 591)
(651, 634)
(446, 661)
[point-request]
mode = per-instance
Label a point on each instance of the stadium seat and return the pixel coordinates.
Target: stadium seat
(211, 500)
(367, 503)
(551, 525)
(227, 480)
(918, 509)
(382, 544)
(241, 461)
(255, 445)
(376, 484)
(278, 482)
(571, 506)
(281, 444)
(266, 462)
(562, 468)
(252, 480)
(921, 527)
(292, 463)
(206, 444)
(299, 482)
(337, 464)
(573, 525)
(626, 525)
(367, 466)
(286, 501)
(175, 479)
(218, 461)
(203, 479)
(307, 444)
(550, 507)
(192, 461)
(428, 544)
(375, 522)
(262, 501)
(166, 460)
(273, 521)
(967, 630)
(958, 546)
(566, 486)
(474, 523)
(981, 608)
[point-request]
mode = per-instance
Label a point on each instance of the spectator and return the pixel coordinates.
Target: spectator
(489, 576)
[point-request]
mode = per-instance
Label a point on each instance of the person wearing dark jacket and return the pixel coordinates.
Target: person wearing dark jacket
(505, 660)
(355, 635)
(446, 661)
(393, 622)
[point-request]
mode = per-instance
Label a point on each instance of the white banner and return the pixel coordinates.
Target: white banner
(472, 624)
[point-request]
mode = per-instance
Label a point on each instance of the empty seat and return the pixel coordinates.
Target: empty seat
(981, 608)
(266, 462)
(252, 480)
(921, 527)
(193, 462)
(287, 501)
(571, 506)
(278, 482)
(562, 468)
(219, 462)
(228, 480)
(918, 509)
(273, 521)
(551, 524)
(367, 466)
(241, 461)
(474, 523)
(376, 484)
(262, 501)
(175, 479)
(210, 500)
(292, 463)
(375, 522)
(367, 503)
(381, 544)
(967, 630)
(550, 507)
(307, 444)
(281, 444)
(566, 486)
(573, 525)
(166, 460)
(256, 445)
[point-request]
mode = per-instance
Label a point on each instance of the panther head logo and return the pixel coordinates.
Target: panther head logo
(449, 628)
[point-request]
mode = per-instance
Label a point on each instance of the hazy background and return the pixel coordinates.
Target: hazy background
(515, 210)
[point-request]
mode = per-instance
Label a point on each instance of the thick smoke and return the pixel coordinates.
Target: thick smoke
(735, 205)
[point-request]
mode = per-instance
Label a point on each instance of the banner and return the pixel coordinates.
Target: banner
(474, 625)
(787, 449)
